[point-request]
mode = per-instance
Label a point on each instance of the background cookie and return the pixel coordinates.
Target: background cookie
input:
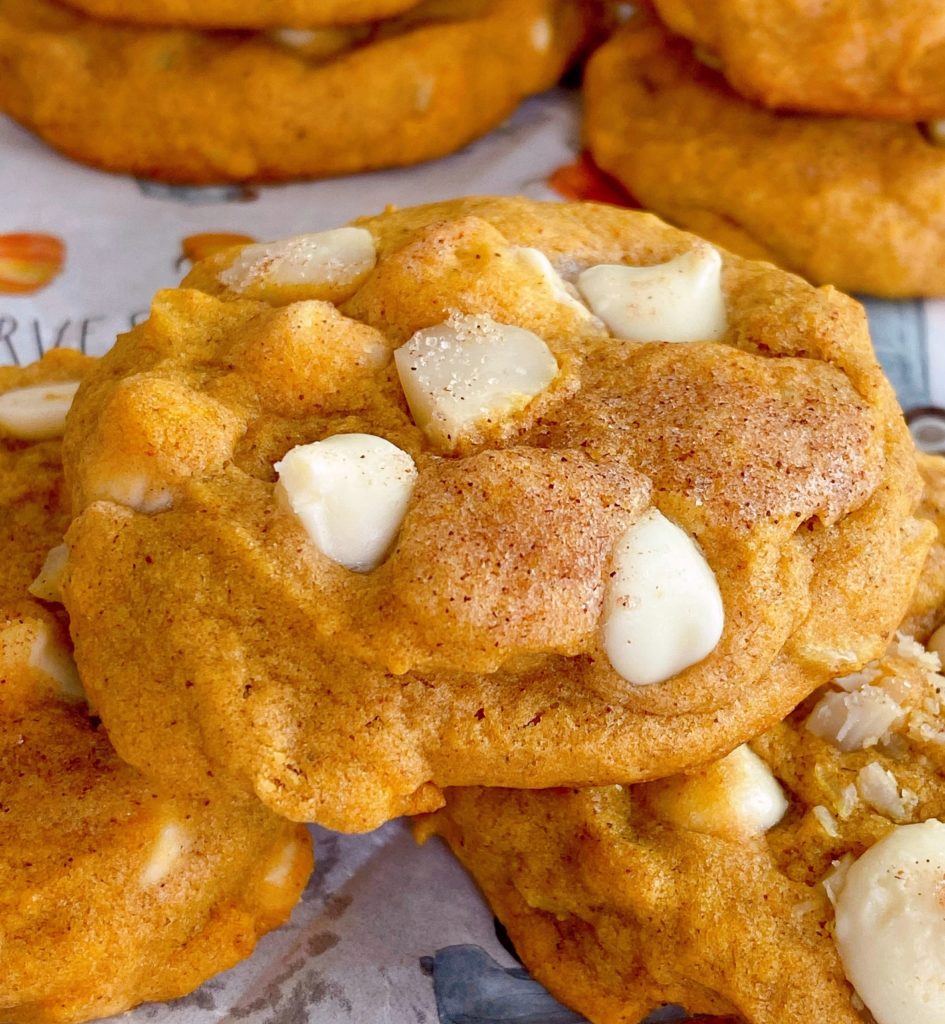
(233, 14)
(474, 651)
(927, 611)
(718, 890)
(183, 105)
(865, 58)
(854, 203)
(112, 891)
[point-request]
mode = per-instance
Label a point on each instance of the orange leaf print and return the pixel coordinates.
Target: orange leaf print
(199, 247)
(29, 262)
(583, 179)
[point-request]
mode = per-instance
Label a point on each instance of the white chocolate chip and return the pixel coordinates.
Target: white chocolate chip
(469, 371)
(540, 34)
(350, 492)
(936, 132)
(48, 584)
(538, 263)
(936, 643)
(321, 43)
(423, 94)
(890, 925)
(680, 300)
(37, 413)
(50, 657)
(340, 258)
(735, 798)
(281, 869)
(134, 490)
(662, 609)
(169, 846)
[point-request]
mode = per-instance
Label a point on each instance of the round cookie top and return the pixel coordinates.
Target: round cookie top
(863, 58)
(112, 891)
(392, 507)
(236, 14)
(183, 105)
(817, 854)
(855, 203)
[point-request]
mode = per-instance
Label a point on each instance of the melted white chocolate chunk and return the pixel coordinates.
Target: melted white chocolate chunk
(350, 493)
(471, 371)
(48, 584)
(735, 798)
(170, 845)
(37, 413)
(890, 927)
(338, 260)
(662, 608)
(535, 261)
(680, 300)
(937, 643)
(49, 656)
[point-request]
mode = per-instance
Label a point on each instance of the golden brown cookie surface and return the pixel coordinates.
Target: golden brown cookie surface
(233, 14)
(183, 105)
(863, 58)
(112, 891)
(622, 899)
(854, 203)
(474, 649)
(927, 611)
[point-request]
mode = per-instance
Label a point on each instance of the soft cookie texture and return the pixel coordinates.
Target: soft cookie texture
(855, 203)
(867, 58)
(233, 14)
(216, 634)
(113, 891)
(716, 890)
(190, 106)
(927, 610)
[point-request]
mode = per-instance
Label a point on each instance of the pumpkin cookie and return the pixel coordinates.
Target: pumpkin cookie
(855, 203)
(793, 881)
(233, 14)
(435, 500)
(183, 105)
(112, 891)
(863, 58)
(927, 611)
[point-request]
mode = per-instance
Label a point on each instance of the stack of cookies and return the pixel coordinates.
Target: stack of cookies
(804, 133)
(222, 90)
(502, 514)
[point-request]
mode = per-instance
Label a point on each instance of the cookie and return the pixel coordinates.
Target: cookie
(858, 58)
(113, 891)
(234, 14)
(366, 513)
(927, 611)
(855, 203)
(793, 881)
(188, 106)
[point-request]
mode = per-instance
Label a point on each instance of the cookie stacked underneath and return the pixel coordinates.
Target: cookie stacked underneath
(228, 91)
(112, 890)
(493, 493)
(808, 134)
